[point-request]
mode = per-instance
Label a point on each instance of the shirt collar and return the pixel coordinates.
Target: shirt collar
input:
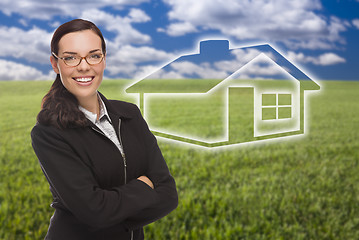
(93, 116)
(103, 109)
(115, 109)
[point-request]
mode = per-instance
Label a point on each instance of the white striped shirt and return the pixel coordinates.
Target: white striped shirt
(103, 123)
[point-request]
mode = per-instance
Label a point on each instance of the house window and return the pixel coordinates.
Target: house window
(276, 106)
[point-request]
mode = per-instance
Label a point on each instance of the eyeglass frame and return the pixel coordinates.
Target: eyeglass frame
(62, 58)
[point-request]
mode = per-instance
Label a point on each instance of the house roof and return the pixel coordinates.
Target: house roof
(214, 63)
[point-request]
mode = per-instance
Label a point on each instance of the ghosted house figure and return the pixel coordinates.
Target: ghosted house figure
(263, 94)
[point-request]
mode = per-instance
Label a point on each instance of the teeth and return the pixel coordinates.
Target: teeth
(83, 79)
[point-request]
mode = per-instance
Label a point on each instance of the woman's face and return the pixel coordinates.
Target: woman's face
(84, 79)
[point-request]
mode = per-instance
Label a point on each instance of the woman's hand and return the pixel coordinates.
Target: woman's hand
(146, 180)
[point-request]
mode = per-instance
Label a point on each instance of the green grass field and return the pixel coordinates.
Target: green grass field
(303, 187)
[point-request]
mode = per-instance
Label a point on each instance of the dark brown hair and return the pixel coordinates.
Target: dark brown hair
(59, 107)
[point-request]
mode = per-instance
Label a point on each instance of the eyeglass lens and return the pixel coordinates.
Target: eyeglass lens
(91, 59)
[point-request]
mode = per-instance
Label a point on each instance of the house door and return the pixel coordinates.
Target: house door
(240, 114)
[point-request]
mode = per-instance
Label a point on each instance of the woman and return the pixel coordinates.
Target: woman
(106, 173)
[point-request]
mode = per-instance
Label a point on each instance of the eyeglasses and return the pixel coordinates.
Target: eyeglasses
(74, 60)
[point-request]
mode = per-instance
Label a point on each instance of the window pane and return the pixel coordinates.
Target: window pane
(284, 99)
(268, 113)
(284, 112)
(268, 100)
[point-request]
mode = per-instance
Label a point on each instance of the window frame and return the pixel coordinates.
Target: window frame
(277, 106)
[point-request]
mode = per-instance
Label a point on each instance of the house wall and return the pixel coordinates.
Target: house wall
(257, 124)
(199, 117)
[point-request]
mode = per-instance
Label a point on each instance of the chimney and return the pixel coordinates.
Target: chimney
(214, 47)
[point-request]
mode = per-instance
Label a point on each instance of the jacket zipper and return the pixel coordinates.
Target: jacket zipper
(122, 154)
(123, 157)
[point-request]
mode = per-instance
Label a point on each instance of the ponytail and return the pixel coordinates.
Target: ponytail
(59, 108)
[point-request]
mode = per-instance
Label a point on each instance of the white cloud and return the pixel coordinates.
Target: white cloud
(137, 16)
(295, 23)
(323, 59)
(329, 59)
(203, 70)
(121, 26)
(46, 10)
(55, 24)
(23, 22)
(15, 71)
(161, 74)
(134, 61)
(356, 23)
(32, 45)
(178, 29)
(260, 67)
(259, 71)
(299, 57)
(244, 56)
(131, 54)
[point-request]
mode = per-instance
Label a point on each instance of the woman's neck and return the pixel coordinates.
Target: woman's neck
(91, 104)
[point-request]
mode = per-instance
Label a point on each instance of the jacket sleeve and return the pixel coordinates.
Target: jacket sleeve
(72, 181)
(158, 173)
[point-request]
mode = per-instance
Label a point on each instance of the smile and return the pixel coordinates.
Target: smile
(83, 79)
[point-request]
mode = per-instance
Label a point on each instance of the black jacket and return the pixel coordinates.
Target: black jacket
(86, 173)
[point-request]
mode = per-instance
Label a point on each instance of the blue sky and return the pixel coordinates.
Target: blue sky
(320, 37)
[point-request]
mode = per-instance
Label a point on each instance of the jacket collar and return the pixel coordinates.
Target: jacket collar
(113, 111)
(116, 113)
